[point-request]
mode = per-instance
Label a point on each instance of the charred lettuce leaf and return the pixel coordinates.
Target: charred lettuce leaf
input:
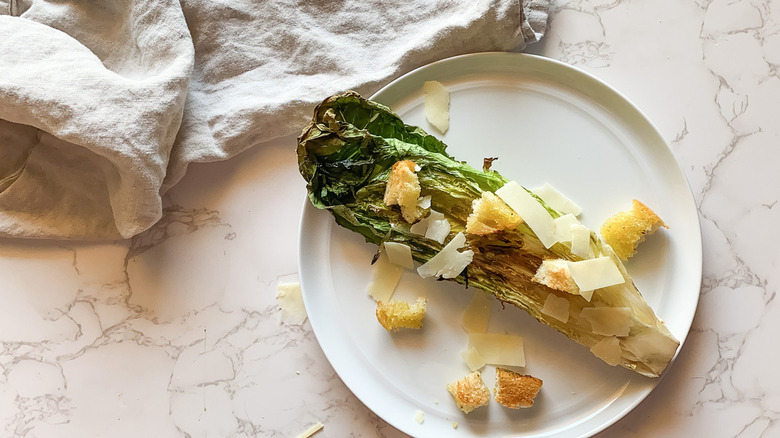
(345, 155)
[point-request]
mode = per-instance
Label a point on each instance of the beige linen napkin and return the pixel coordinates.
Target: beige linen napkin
(104, 104)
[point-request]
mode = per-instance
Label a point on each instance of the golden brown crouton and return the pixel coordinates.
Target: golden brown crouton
(490, 214)
(627, 229)
(400, 314)
(555, 274)
(469, 392)
(515, 390)
(403, 189)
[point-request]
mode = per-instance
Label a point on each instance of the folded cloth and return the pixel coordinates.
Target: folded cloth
(104, 104)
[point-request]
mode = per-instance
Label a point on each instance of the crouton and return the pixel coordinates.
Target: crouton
(515, 390)
(394, 314)
(627, 229)
(403, 189)
(490, 214)
(555, 274)
(469, 392)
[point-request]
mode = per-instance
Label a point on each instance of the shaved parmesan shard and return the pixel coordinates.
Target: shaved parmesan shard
(438, 230)
(499, 349)
(587, 294)
(477, 314)
(435, 227)
(555, 199)
(563, 227)
(419, 416)
(449, 262)
(473, 359)
(654, 345)
(290, 301)
(386, 278)
(424, 202)
(595, 273)
(399, 254)
(609, 321)
(421, 226)
(532, 212)
(437, 105)
(556, 307)
(608, 350)
(311, 431)
(580, 240)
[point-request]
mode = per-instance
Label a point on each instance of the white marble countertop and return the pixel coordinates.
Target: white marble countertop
(176, 333)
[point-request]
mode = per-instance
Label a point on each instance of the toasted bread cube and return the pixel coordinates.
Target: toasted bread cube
(490, 214)
(627, 229)
(469, 392)
(394, 314)
(403, 189)
(515, 390)
(555, 274)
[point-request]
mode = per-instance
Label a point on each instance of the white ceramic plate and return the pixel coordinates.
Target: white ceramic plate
(546, 122)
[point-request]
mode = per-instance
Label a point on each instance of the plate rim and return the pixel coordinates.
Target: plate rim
(697, 262)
